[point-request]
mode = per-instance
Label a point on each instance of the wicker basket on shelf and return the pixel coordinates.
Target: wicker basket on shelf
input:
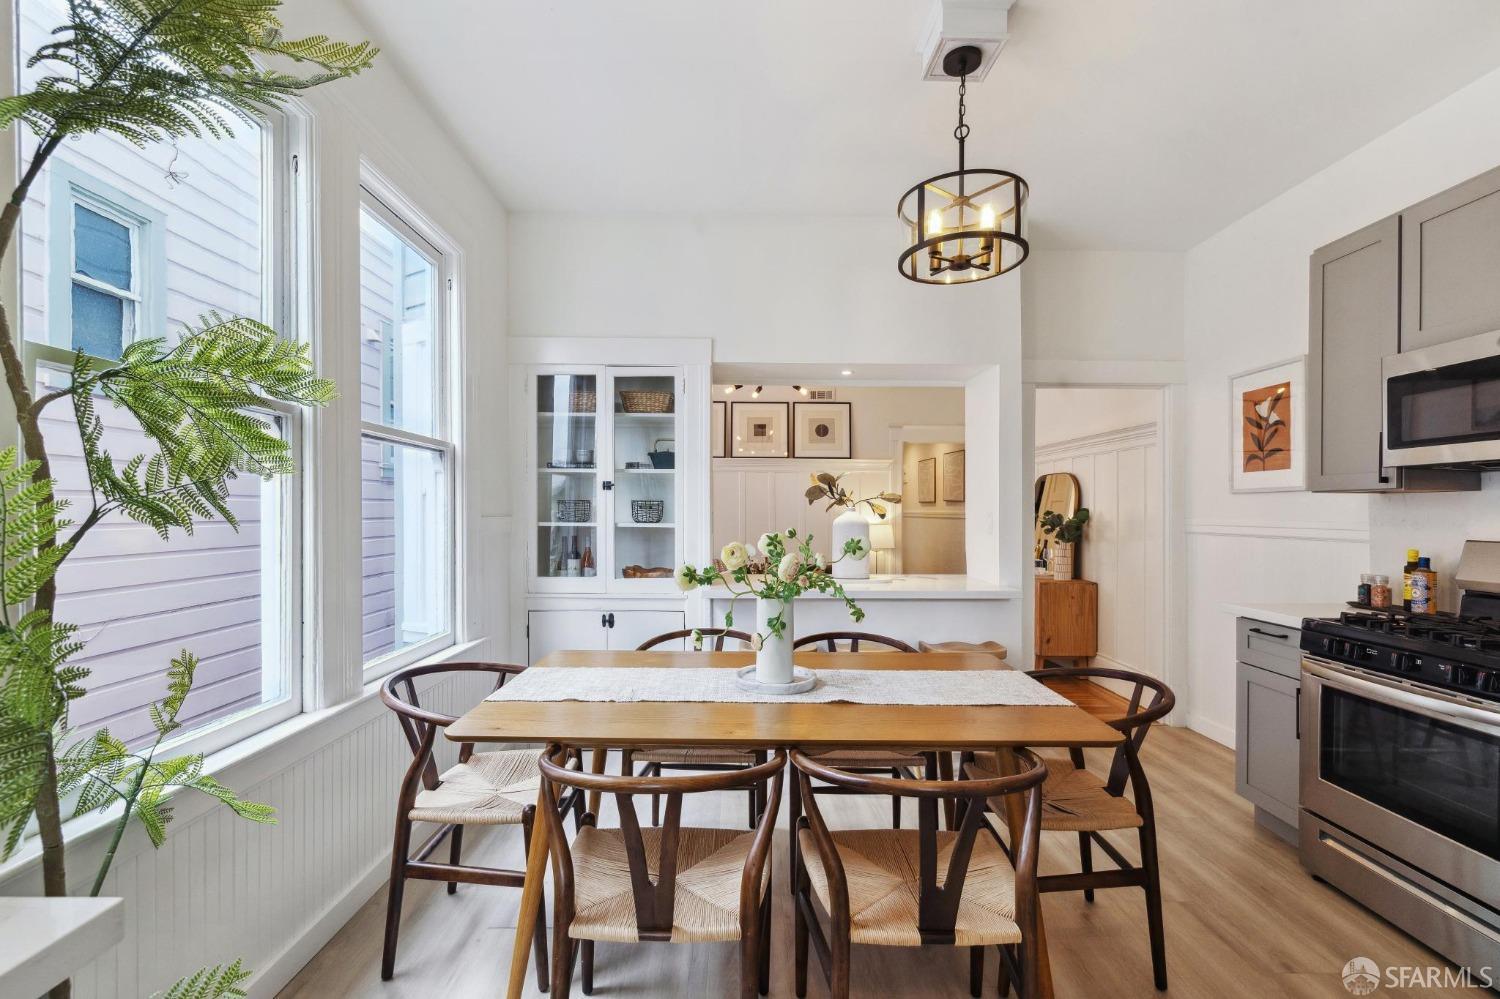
(575, 511)
(583, 401)
(647, 511)
(645, 402)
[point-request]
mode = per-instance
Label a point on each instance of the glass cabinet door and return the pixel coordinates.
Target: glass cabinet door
(645, 495)
(568, 511)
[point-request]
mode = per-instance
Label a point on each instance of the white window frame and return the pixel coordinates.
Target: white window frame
(147, 295)
(286, 301)
(386, 203)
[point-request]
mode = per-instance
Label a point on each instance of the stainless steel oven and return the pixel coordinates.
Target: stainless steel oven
(1400, 796)
(1442, 404)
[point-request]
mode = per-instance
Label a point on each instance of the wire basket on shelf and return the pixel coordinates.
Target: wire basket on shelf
(636, 401)
(575, 511)
(647, 511)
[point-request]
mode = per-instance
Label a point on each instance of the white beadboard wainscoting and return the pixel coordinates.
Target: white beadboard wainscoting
(222, 887)
(1120, 476)
(752, 496)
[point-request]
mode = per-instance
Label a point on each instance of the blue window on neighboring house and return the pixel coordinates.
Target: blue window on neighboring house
(107, 266)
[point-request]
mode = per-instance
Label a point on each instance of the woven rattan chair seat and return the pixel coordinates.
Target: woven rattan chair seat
(706, 903)
(882, 870)
(1073, 800)
(491, 789)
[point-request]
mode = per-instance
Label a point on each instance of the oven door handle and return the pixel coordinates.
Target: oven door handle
(1436, 707)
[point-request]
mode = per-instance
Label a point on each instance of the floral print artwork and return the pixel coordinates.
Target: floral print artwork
(1266, 429)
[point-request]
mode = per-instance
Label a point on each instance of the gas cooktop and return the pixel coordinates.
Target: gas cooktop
(1456, 653)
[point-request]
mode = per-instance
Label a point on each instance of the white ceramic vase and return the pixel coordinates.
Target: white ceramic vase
(773, 661)
(1062, 560)
(850, 524)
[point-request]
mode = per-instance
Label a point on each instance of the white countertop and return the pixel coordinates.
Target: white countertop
(45, 940)
(1286, 615)
(918, 586)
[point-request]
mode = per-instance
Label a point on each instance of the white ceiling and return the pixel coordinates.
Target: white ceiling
(1140, 124)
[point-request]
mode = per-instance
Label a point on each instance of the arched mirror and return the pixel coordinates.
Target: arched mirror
(1058, 491)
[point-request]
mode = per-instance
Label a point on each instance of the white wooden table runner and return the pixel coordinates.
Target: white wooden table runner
(855, 686)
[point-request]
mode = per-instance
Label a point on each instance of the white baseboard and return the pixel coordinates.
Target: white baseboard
(276, 975)
(1222, 734)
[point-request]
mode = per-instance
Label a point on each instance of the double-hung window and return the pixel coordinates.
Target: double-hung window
(120, 244)
(406, 454)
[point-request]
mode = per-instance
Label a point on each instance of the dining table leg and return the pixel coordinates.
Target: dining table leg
(1015, 820)
(531, 900)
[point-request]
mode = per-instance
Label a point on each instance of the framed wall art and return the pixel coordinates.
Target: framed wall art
(953, 477)
(759, 430)
(927, 480)
(822, 430)
(1267, 419)
(718, 432)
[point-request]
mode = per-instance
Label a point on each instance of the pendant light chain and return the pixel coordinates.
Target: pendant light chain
(962, 131)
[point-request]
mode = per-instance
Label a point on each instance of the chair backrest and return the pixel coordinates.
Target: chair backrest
(937, 903)
(1140, 713)
(420, 725)
(654, 900)
(719, 635)
(829, 641)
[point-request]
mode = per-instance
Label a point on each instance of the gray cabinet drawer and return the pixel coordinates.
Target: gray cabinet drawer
(1269, 646)
(1267, 740)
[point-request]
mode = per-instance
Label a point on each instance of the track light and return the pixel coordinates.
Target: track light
(756, 393)
(800, 389)
(732, 389)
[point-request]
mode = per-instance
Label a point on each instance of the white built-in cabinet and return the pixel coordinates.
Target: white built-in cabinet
(610, 488)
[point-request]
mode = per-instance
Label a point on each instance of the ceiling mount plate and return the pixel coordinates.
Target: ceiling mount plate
(981, 26)
(962, 61)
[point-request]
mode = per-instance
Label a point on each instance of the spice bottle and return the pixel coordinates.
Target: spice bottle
(1364, 589)
(1424, 569)
(1380, 591)
(1410, 567)
(1420, 604)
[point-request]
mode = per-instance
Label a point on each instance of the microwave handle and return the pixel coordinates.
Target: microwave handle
(1381, 477)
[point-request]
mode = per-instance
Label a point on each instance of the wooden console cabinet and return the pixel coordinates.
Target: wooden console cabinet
(1067, 620)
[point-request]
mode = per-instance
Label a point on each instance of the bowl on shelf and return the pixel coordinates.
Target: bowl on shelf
(647, 511)
(642, 572)
(636, 401)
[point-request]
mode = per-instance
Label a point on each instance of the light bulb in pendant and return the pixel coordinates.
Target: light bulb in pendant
(934, 222)
(987, 217)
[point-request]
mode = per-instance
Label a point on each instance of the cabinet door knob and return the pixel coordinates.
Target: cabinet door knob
(604, 620)
(611, 619)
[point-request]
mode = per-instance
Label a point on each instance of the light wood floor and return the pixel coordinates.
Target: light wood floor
(1242, 917)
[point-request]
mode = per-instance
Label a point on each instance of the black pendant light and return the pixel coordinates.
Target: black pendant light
(964, 226)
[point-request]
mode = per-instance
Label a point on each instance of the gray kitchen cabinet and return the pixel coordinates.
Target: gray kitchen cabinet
(1267, 730)
(1450, 256)
(1354, 320)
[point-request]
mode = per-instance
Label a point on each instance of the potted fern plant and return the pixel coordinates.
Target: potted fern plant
(146, 71)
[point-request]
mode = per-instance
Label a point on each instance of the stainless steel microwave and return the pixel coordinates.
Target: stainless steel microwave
(1442, 404)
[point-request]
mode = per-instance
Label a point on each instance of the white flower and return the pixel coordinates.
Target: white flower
(1264, 411)
(789, 567)
(684, 578)
(763, 544)
(817, 560)
(734, 556)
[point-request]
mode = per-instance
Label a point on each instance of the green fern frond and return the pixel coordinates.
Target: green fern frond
(151, 70)
(218, 982)
(29, 523)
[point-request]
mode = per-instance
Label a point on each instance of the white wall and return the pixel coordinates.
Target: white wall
(1246, 305)
(930, 536)
(1065, 414)
(1102, 305)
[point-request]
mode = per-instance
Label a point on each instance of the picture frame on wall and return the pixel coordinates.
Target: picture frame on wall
(759, 430)
(822, 430)
(718, 433)
(927, 480)
(1268, 428)
(953, 476)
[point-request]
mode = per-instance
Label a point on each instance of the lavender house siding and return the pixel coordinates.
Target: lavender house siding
(377, 299)
(139, 601)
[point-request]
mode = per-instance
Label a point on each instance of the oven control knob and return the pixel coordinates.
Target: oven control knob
(1406, 662)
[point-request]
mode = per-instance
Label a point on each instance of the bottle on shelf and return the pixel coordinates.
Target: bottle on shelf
(1406, 571)
(587, 562)
(575, 560)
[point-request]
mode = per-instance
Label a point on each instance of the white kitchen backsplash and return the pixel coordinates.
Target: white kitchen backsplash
(1436, 523)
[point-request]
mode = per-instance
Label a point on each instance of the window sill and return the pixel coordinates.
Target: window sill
(244, 764)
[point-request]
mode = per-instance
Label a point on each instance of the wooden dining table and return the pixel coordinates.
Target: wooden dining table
(604, 725)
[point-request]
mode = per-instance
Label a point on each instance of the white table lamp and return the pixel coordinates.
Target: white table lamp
(882, 537)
